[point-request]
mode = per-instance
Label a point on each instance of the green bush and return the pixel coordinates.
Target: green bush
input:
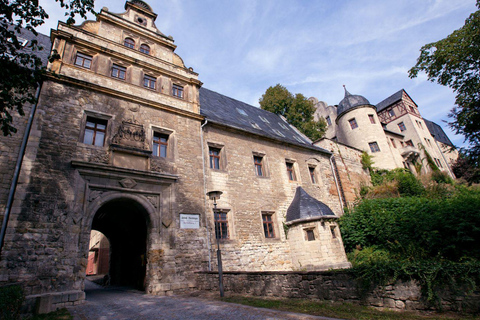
(441, 177)
(408, 184)
(11, 299)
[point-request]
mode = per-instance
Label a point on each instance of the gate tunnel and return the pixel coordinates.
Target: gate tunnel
(124, 222)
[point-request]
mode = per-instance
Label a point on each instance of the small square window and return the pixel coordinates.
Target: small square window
(291, 171)
(402, 127)
(268, 227)
(258, 162)
(83, 60)
(149, 82)
(353, 123)
(374, 147)
(214, 158)
(221, 225)
(329, 121)
(310, 235)
(313, 177)
(95, 131)
(372, 118)
(409, 143)
(160, 144)
(177, 91)
(412, 110)
(391, 113)
(118, 72)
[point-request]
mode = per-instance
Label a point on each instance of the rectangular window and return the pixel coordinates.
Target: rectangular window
(329, 121)
(372, 118)
(313, 177)
(149, 82)
(221, 225)
(258, 161)
(290, 171)
(160, 144)
(412, 109)
(374, 147)
(440, 163)
(419, 123)
(310, 235)
(393, 142)
(409, 143)
(214, 158)
(177, 91)
(118, 72)
(83, 60)
(391, 113)
(95, 131)
(353, 123)
(402, 127)
(401, 142)
(268, 228)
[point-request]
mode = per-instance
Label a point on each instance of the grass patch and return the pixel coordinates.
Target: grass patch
(339, 310)
(61, 314)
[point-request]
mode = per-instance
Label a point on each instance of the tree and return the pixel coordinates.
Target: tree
(297, 109)
(455, 62)
(22, 69)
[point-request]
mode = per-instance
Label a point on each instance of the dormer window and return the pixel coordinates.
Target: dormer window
(129, 43)
(145, 49)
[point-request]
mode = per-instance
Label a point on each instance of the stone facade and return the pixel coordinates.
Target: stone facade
(335, 286)
(121, 144)
(393, 132)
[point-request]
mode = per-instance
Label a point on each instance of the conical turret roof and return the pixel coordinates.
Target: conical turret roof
(351, 101)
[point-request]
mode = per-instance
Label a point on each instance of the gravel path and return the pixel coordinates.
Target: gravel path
(121, 303)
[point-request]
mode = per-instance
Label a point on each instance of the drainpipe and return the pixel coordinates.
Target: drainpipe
(336, 183)
(18, 166)
(209, 245)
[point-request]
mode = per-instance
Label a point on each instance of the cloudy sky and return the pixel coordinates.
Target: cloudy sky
(241, 47)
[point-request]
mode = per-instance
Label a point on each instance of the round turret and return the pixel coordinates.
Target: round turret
(350, 102)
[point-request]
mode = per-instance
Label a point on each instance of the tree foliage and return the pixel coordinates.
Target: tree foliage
(297, 109)
(455, 62)
(21, 67)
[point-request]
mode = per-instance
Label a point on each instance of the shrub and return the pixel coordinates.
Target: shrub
(441, 177)
(408, 184)
(11, 299)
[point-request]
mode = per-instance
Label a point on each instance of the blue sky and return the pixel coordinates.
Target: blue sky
(241, 47)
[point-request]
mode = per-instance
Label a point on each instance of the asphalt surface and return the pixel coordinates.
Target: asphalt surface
(123, 303)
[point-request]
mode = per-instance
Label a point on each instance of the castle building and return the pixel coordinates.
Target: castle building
(393, 132)
(125, 141)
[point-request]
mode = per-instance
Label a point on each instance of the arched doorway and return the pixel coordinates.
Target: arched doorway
(125, 223)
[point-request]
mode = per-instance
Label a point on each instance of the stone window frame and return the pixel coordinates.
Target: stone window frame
(291, 170)
(353, 123)
(374, 147)
(129, 42)
(310, 234)
(371, 117)
(116, 72)
(178, 91)
(273, 222)
(329, 120)
(419, 124)
(170, 141)
(312, 172)
(409, 143)
(79, 56)
(100, 116)
(401, 126)
(333, 232)
(145, 48)
(393, 143)
(263, 164)
(147, 82)
(222, 159)
(230, 224)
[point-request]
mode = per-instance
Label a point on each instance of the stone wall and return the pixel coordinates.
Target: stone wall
(333, 286)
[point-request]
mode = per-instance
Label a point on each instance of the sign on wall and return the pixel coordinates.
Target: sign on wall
(189, 221)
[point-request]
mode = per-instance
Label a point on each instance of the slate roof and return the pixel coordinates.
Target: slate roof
(351, 101)
(42, 40)
(224, 110)
(394, 98)
(437, 132)
(305, 206)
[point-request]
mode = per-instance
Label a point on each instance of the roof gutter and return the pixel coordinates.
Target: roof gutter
(18, 166)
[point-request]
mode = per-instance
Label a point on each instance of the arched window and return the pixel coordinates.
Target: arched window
(129, 43)
(145, 49)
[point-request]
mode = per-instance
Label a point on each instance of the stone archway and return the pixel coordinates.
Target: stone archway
(125, 222)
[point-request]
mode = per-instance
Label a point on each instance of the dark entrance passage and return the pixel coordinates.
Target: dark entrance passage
(124, 223)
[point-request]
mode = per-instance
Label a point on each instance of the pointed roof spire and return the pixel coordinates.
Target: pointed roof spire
(346, 91)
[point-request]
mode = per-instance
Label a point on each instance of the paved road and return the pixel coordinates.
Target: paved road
(121, 303)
